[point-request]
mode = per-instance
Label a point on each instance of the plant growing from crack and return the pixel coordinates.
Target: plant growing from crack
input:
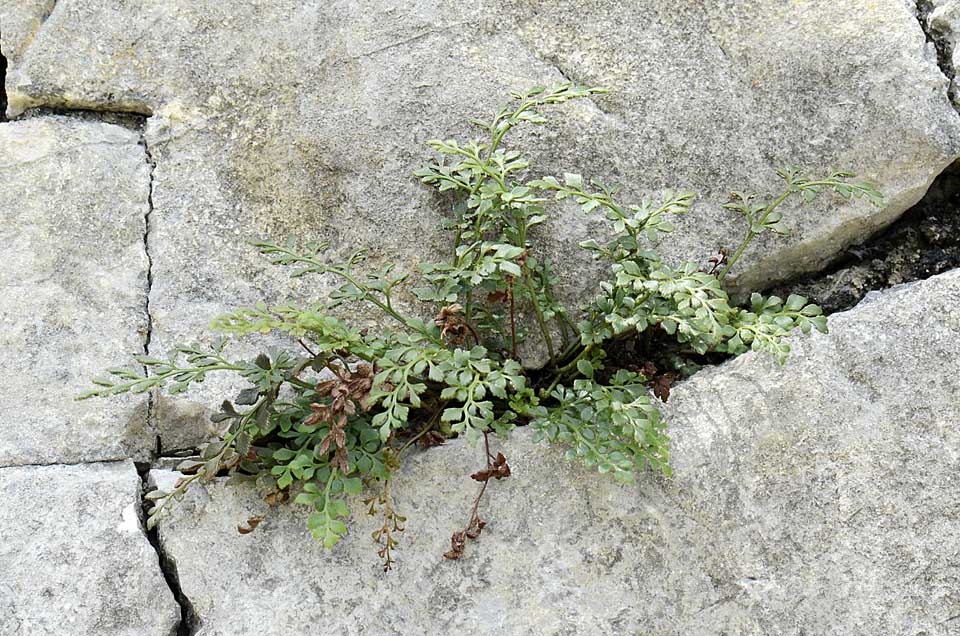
(334, 415)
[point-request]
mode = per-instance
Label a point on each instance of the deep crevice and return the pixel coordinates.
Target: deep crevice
(925, 241)
(148, 319)
(49, 12)
(3, 82)
(941, 44)
(86, 462)
(189, 621)
(126, 119)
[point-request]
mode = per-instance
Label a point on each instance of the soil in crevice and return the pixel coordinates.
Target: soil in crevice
(924, 242)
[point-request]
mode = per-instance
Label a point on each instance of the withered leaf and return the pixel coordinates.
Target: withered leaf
(252, 524)
(649, 370)
(457, 544)
(501, 468)
(661, 386)
(340, 460)
(481, 475)
(431, 439)
(275, 498)
(475, 528)
(452, 324)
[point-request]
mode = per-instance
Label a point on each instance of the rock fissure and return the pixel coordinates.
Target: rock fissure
(3, 85)
(131, 120)
(189, 621)
(148, 320)
(923, 242)
(555, 63)
(49, 12)
(413, 38)
(109, 460)
(944, 47)
(568, 76)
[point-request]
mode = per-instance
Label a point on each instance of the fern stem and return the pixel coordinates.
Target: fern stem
(513, 323)
(750, 233)
(568, 367)
(539, 313)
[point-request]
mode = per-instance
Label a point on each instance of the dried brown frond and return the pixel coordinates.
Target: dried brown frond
(659, 382)
(347, 389)
(497, 468)
(252, 524)
(716, 262)
(392, 523)
(453, 326)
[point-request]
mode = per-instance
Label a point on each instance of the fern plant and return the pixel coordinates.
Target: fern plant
(334, 415)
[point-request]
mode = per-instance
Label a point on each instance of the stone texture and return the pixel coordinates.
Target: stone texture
(74, 557)
(314, 124)
(941, 19)
(815, 498)
(73, 202)
(19, 22)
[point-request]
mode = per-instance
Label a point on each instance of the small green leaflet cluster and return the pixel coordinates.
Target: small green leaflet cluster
(685, 301)
(494, 215)
(690, 305)
(764, 326)
(631, 223)
(334, 416)
(614, 427)
(763, 217)
(471, 379)
(183, 366)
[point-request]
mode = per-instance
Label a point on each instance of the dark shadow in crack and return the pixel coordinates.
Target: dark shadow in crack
(189, 620)
(940, 41)
(925, 241)
(131, 121)
(3, 82)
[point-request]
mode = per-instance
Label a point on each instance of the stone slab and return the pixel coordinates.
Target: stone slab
(307, 119)
(20, 20)
(73, 204)
(74, 556)
(324, 116)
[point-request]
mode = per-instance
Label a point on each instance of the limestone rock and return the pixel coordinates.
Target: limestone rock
(74, 556)
(814, 498)
(19, 22)
(942, 21)
(308, 119)
(73, 202)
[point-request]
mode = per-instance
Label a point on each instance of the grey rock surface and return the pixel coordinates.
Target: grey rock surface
(74, 556)
(941, 19)
(73, 203)
(19, 22)
(815, 498)
(307, 118)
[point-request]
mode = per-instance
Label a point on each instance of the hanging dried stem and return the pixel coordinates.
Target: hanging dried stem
(497, 468)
